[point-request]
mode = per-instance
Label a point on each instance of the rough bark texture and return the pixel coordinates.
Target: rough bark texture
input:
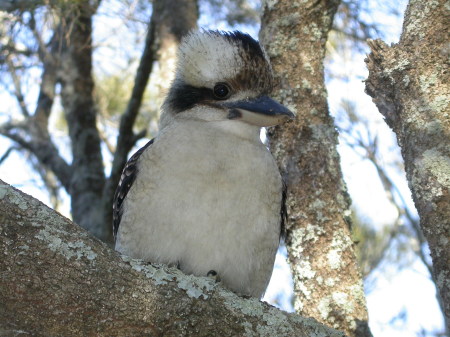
(56, 280)
(409, 83)
(328, 284)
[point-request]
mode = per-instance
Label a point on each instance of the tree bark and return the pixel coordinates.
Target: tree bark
(77, 97)
(409, 83)
(328, 284)
(56, 280)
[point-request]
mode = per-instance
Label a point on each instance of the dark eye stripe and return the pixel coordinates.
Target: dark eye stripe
(183, 96)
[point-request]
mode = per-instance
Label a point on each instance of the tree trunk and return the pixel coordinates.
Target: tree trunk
(328, 284)
(409, 83)
(58, 281)
(77, 97)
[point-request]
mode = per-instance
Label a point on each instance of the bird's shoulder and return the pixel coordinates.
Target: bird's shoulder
(126, 181)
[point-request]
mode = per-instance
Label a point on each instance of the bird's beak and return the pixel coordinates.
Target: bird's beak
(261, 111)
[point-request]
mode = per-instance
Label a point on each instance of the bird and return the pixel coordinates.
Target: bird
(206, 195)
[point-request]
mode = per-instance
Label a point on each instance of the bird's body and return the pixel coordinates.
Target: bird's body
(206, 194)
(190, 188)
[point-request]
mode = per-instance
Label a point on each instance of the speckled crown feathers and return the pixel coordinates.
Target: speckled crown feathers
(209, 56)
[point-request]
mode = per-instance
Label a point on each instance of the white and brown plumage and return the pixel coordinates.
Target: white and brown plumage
(206, 194)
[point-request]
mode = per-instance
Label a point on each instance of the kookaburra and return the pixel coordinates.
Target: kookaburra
(206, 194)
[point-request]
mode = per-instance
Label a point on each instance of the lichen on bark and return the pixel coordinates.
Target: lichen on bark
(57, 280)
(409, 83)
(328, 285)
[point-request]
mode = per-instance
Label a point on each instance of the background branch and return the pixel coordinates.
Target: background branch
(126, 138)
(163, 30)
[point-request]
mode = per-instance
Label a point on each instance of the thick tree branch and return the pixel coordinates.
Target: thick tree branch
(58, 281)
(409, 83)
(77, 97)
(327, 281)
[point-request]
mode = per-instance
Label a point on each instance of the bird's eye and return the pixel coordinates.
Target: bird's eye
(221, 91)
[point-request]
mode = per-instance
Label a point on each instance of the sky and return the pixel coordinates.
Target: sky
(402, 302)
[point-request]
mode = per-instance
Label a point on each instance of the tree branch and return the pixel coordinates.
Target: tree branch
(7, 153)
(57, 280)
(10, 130)
(17, 87)
(318, 235)
(44, 150)
(44, 54)
(409, 83)
(126, 138)
(77, 97)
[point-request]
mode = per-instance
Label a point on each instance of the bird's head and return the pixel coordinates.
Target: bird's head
(224, 76)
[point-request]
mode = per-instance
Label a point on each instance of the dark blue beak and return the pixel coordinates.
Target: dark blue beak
(260, 111)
